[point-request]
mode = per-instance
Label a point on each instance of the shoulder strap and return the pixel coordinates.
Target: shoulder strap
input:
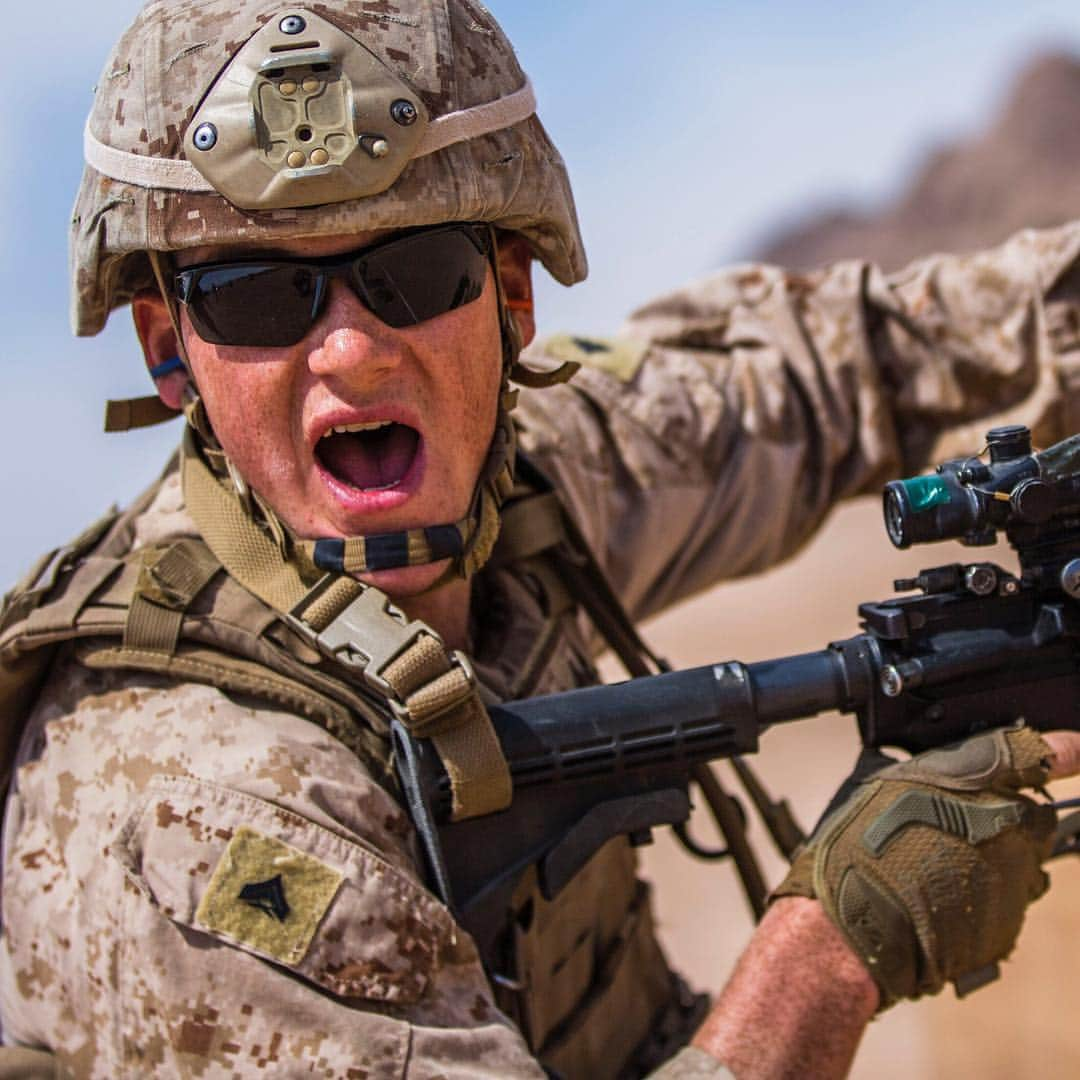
(151, 611)
(429, 689)
(23, 668)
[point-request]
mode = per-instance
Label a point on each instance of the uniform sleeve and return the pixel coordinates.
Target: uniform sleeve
(200, 885)
(264, 934)
(712, 439)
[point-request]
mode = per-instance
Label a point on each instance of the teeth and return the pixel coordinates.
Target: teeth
(348, 429)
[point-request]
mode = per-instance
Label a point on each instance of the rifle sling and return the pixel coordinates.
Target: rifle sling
(539, 523)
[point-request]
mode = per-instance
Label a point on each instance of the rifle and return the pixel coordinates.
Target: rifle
(969, 648)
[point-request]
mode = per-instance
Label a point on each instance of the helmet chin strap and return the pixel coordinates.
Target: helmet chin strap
(467, 542)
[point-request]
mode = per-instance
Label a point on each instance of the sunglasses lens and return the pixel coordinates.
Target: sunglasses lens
(273, 304)
(422, 276)
(252, 304)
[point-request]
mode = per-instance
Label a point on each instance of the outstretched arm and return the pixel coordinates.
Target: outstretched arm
(714, 438)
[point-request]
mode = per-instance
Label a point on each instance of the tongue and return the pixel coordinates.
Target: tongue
(371, 459)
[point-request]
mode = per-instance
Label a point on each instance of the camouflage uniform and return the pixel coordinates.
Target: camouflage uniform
(708, 442)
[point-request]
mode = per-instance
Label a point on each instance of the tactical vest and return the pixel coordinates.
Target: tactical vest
(584, 976)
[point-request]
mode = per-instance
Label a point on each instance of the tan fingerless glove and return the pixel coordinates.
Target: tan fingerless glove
(928, 868)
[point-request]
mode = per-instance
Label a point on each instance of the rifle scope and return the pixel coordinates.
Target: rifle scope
(968, 499)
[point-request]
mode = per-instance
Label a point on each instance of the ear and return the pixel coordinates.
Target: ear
(158, 341)
(515, 270)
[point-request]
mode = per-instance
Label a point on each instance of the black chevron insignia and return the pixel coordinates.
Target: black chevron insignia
(268, 896)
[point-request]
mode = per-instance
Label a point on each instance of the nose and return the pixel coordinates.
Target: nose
(350, 342)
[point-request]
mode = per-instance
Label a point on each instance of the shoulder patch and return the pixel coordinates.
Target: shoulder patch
(270, 882)
(268, 895)
(620, 357)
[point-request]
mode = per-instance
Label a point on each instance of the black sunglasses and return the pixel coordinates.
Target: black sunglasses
(274, 302)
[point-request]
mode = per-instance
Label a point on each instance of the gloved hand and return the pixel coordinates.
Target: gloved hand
(928, 867)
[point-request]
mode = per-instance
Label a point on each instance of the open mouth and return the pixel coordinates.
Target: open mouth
(369, 457)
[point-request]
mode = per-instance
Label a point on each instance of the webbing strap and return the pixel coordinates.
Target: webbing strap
(540, 523)
(168, 582)
(130, 413)
(249, 555)
(320, 610)
(595, 594)
(529, 526)
(443, 705)
(588, 582)
(472, 756)
(432, 691)
(152, 628)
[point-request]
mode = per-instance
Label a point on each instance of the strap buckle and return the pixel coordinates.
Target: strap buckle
(368, 635)
(365, 636)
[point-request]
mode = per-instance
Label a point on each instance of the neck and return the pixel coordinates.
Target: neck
(445, 610)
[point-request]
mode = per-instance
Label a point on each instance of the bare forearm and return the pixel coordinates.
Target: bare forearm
(797, 1003)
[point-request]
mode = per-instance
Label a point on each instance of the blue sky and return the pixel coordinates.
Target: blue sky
(688, 127)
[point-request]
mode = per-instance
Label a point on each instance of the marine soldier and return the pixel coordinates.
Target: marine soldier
(324, 219)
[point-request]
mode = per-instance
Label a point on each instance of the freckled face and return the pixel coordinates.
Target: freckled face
(359, 428)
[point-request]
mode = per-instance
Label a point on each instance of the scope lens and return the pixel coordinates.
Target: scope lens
(924, 509)
(896, 514)
(911, 510)
(926, 492)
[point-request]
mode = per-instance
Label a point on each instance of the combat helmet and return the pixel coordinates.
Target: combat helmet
(217, 121)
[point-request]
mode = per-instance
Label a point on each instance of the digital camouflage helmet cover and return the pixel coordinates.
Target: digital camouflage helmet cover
(474, 152)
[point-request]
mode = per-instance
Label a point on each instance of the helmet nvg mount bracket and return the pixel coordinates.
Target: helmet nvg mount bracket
(331, 121)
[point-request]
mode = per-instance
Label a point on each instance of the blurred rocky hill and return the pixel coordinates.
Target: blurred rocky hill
(1024, 170)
